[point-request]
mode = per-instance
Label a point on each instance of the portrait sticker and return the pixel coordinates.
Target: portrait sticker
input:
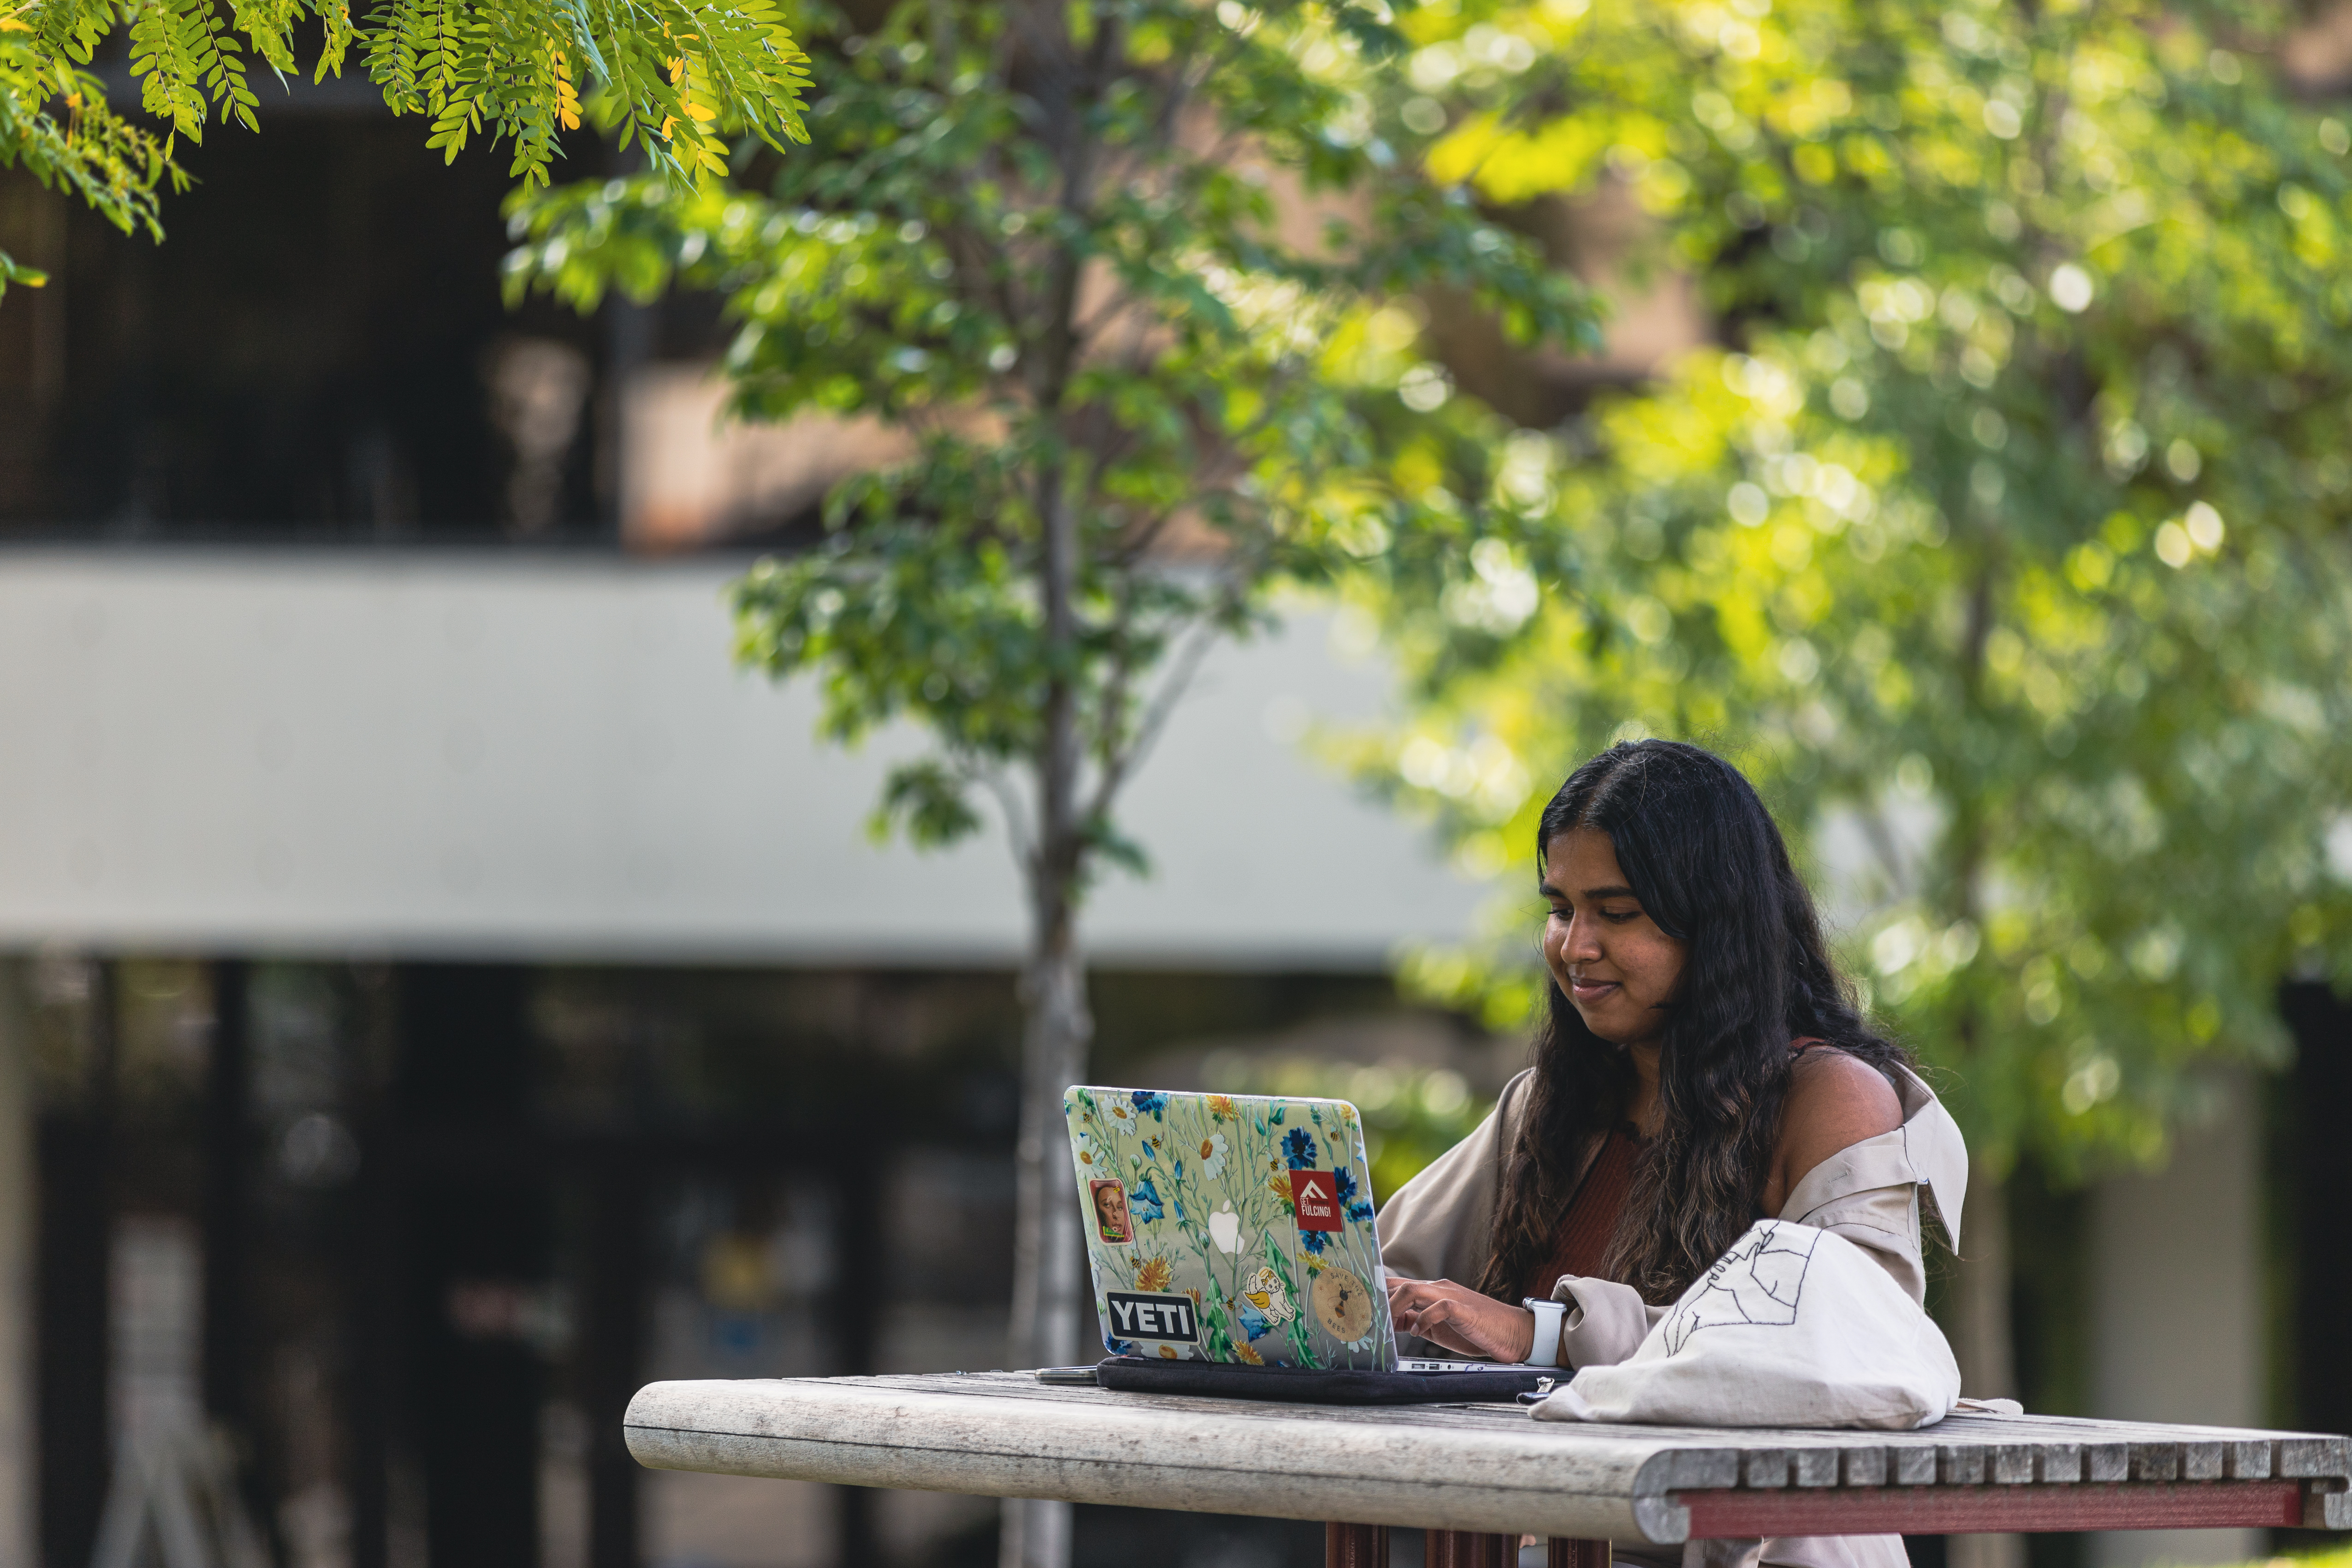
(1112, 1222)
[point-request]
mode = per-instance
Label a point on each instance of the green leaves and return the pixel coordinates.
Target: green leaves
(2006, 548)
(680, 77)
(11, 272)
(925, 801)
(1135, 277)
(683, 76)
(186, 66)
(112, 165)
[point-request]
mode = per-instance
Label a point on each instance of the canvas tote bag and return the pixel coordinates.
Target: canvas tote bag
(1792, 1327)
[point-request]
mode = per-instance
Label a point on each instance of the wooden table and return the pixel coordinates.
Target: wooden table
(1481, 1475)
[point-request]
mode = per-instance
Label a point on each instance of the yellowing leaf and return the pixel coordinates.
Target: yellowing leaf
(1457, 156)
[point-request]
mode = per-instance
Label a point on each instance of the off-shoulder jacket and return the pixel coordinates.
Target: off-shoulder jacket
(1438, 1226)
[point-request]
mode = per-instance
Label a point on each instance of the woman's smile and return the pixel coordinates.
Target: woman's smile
(1617, 966)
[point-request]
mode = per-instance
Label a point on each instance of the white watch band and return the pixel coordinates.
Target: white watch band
(1549, 1316)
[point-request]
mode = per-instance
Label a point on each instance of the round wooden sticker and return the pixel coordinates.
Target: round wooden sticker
(1342, 1305)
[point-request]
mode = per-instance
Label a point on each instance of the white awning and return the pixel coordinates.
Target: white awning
(438, 755)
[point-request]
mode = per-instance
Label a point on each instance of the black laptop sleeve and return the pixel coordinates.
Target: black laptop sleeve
(1304, 1385)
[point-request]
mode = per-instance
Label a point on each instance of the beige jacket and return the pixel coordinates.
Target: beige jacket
(1436, 1227)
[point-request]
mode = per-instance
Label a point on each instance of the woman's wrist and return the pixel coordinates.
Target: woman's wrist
(1526, 1329)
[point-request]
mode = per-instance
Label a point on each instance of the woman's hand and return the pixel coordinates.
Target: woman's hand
(1462, 1319)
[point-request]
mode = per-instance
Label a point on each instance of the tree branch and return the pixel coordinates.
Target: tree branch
(1117, 766)
(1008, 800)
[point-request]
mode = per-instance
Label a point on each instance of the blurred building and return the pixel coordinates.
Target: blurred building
(441, 994)
(447, 995)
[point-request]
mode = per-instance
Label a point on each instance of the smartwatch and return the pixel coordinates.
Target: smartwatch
(1549, 1318)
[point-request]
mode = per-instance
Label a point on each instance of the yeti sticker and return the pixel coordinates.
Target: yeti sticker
(1756, 1282)
(1136, 1316)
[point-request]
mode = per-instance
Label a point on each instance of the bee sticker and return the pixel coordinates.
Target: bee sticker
(1342, 1304)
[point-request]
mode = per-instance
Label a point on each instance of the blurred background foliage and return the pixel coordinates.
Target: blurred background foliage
(1991, 516)
(1997, 529)
(1122, 283)
(1998, 532)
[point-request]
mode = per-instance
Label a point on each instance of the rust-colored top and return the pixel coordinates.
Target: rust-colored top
(1590, 1223)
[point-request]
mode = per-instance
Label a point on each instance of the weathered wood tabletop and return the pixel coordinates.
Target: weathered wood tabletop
(1490, 1467)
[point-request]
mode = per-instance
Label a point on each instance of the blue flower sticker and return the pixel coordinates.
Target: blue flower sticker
(1118, 1346)
(1254, 1322)
(1150, 1104)
(1355, 1208)
(1314, 1240)
(1143, 1202)
(1298, 1148)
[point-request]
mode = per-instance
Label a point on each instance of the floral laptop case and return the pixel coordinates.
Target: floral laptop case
(1229, 1227)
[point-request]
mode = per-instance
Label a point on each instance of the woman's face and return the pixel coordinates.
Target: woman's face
(1603, 948)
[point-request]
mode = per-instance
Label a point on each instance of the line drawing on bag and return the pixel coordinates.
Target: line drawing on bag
(1756, 1283)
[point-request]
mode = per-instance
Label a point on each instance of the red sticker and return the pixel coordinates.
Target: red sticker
(1316, 1195)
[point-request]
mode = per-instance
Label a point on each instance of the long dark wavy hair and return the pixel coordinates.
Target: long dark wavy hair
(1708, 863)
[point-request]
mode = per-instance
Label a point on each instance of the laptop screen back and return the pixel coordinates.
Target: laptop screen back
(1230, 1227)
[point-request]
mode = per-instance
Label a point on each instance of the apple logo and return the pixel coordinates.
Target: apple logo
(1225, 1228)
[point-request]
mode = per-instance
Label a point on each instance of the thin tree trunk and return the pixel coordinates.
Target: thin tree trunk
(1982, 1340)
(1045, 1240)
(1036, 1533)
(1058, 1029)
(1057, 1025)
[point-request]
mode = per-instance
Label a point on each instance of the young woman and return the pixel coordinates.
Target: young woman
(1703, 1065)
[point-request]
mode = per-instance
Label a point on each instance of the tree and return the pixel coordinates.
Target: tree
(1137, 277)
(2002, 534)
(677, 77)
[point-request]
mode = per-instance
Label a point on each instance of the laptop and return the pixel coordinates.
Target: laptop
(1235, 1228)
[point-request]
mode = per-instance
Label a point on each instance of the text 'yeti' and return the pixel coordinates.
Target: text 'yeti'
(1153, 1317)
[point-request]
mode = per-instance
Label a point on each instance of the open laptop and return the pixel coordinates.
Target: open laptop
(1235, 1228)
